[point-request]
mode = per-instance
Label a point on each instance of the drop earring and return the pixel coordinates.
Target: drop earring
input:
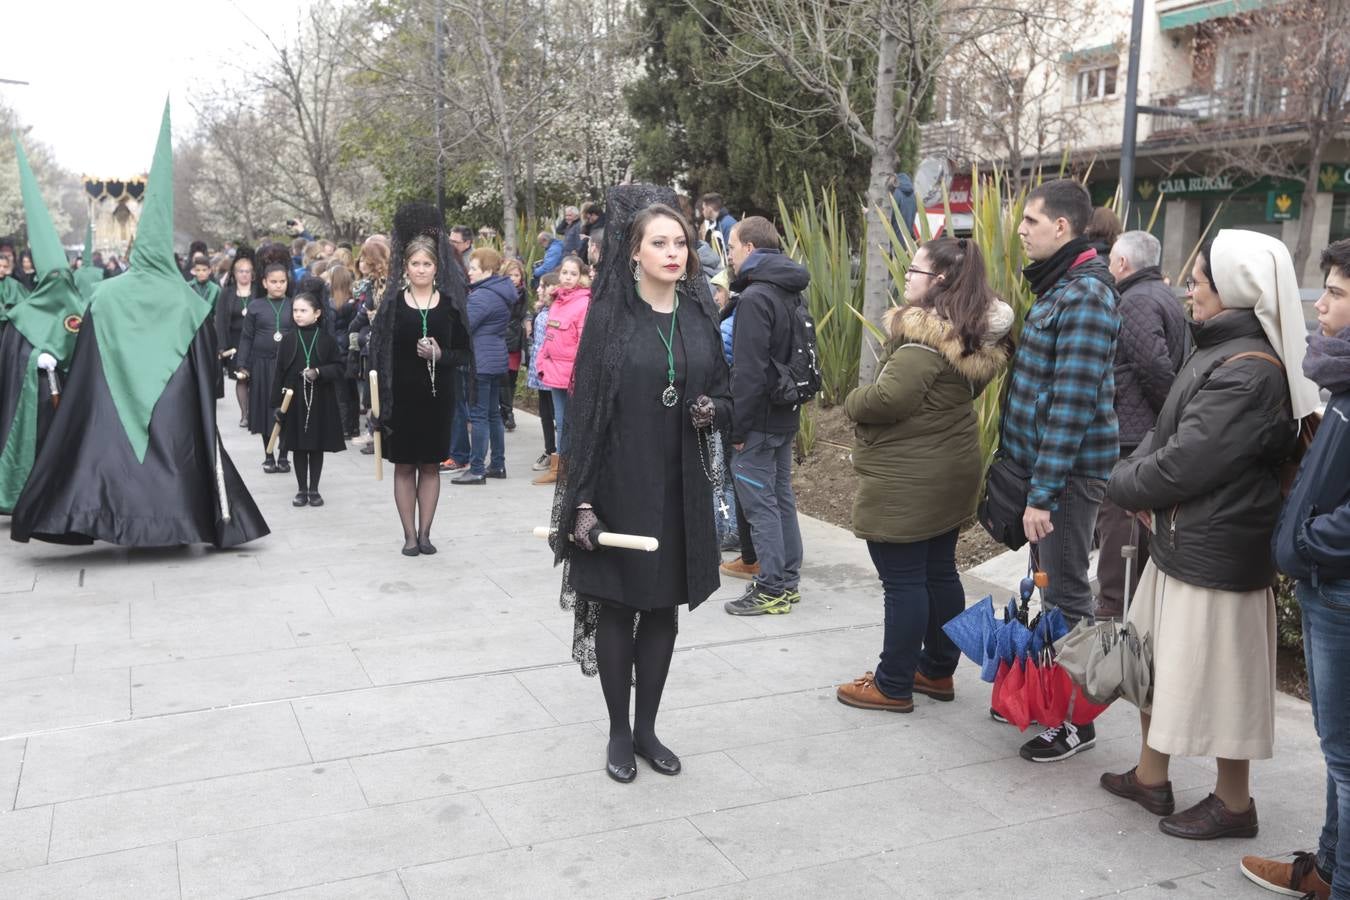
(637, 271)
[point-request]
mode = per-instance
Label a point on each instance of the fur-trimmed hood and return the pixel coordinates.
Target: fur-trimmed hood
(916, 325)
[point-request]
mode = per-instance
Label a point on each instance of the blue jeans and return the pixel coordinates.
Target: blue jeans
(923, 593)
(1326, 647)
(486, 416)
(763, 472)
(560, 418)
(459, 417)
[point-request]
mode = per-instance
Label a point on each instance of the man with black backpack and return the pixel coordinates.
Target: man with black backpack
(773, 346)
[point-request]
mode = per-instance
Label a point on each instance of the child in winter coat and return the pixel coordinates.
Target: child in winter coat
(537, 329)
(557, 356)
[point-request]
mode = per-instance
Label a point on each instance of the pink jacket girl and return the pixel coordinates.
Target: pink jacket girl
(566, 318)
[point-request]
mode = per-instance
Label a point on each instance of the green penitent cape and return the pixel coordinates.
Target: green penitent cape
(49, 319)
(147, 317)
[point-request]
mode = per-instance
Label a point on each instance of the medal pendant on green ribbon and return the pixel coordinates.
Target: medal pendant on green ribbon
(276, 336)
(669, 397)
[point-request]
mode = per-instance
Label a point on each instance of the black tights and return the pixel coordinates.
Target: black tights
(618, 652)
(308, 468)
(281, 446)
(417, 488)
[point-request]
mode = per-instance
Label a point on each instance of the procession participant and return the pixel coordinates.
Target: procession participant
(43, 327)
(310, 364)
(11, 288)
(651, 388)
(90, 272)
(240, 289)
(133, 456)
(418, 336)
(266, 323)
(202, 284)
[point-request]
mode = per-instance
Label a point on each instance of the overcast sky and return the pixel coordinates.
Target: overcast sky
(99, 71)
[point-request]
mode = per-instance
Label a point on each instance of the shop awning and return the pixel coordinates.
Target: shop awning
(1203, 12)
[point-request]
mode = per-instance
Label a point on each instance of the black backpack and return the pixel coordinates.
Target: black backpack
(799, 377)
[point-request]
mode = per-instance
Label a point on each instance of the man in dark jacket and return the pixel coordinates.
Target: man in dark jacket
(902, 192)
(1060, 420)
(1312, 545)
(762, 432)
(1148, 354)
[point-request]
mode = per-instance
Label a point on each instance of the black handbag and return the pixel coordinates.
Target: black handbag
(1005, 501)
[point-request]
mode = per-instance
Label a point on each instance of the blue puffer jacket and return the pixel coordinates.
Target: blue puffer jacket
(1312, 539)
(728, 327)
(490, 302)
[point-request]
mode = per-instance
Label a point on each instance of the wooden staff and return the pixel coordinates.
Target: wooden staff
(379, 437)
(613, 539)
(286, 396)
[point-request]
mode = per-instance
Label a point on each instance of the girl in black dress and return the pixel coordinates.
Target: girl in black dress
(231, 306)
(650, 388)
(267, 320)
(310, 364)
(417, 338)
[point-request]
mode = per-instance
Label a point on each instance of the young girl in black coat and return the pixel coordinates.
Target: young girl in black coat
(310, 363)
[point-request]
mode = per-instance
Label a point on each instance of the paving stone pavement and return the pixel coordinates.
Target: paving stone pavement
(317, 716)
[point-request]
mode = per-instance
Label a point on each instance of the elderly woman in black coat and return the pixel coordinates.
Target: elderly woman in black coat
(650, 388)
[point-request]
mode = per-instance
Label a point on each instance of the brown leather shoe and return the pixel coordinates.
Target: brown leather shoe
(739, 568)
(1156, 798)
(1210, 819)
(1299, 878)
(864, 694)
(938, 688)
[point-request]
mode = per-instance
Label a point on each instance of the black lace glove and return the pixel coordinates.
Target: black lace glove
(586, 529)
(702, 412)
(279, 416)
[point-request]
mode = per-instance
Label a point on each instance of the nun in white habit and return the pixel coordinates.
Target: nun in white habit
(1207, 483)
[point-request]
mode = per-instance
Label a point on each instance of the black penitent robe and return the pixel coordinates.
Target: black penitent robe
(15, 352)
(87, 484)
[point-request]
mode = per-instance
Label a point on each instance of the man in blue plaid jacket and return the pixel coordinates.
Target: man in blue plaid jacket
(1060, 420)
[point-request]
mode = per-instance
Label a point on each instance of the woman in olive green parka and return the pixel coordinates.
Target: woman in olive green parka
(920, 466)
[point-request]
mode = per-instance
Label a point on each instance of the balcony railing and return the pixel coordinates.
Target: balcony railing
(1205, 108)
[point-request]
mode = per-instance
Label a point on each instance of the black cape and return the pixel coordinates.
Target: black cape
(87, 484)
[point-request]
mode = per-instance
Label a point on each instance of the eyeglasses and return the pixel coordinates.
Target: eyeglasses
(1190, 284)
(913, 271)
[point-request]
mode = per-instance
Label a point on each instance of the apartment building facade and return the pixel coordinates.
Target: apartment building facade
(1231, 156)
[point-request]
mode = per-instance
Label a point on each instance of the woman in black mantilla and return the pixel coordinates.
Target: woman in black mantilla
(649, 388)
(417, 338)
(310, 364)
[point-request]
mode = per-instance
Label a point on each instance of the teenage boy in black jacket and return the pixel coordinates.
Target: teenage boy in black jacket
(1312, 546)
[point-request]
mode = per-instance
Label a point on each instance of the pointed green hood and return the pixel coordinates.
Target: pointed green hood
(86, 276)
(42, 237)
(50, 316)
(146, 318)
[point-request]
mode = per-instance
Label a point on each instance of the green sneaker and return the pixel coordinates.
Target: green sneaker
(793, 595)
(755, 602)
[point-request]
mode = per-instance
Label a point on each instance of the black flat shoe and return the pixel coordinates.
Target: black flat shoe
(495, 473)
(411, 551)
(269, 465)
(624, 774)
(315, 499)
(666, 765)
(426, 546)
(468, 478)
(283, 465)
(301, 499)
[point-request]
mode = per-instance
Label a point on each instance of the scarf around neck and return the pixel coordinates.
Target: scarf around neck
(1328, 360)
(1046, 273)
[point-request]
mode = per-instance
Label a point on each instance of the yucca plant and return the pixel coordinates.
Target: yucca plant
(817, 237)
(806, 433)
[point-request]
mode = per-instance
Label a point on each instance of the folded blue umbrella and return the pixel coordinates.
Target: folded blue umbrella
(970, 629)
(1049, 628)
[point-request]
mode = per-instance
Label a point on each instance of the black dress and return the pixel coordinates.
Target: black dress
(258, 354)
(419, 432)
(652, 472)
(314, 424)
(231, 309)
